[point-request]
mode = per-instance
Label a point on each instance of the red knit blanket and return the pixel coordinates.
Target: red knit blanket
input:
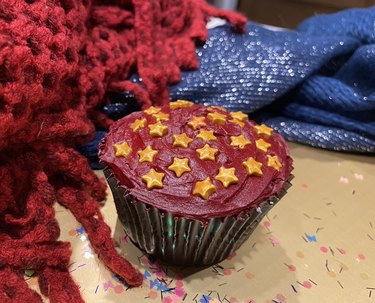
(57, 60)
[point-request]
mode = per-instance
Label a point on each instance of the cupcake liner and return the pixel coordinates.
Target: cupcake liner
(182, 241)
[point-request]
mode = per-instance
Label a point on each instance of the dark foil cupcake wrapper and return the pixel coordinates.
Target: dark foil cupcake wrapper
(182, 241)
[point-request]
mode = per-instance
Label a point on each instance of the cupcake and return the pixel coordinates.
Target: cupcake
(191, 182)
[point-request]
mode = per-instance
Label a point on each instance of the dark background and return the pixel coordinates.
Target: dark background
(289, 13)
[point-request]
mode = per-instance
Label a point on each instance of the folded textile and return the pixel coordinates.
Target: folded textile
(315, 85)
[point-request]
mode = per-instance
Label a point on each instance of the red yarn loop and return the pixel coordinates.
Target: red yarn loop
(57, 60)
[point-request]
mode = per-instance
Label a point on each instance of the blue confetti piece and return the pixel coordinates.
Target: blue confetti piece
(311, 238)
(204, 299)
(146, 275)
(154, 283)
(80, 230)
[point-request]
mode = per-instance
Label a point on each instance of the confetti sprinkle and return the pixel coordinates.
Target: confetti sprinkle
(311, 238)
(267, 224)
(300, 254)
(344, 180)
(323, 249)
(274, 240)
(361, 257)
(291, 267)
(358, 177)
(307, 284)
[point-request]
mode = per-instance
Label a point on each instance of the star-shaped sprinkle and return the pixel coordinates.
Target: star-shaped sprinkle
(158, 129)
(122, 149)
(253, 167)
(160, 116)
(180, 104)
(153, 179)
(273, 161)
(217, 118)
(204, 188)
(197, 122)
(147, 155)
(262, 145)
(239, 141)
(181, 140)
(137, 124)
(180, 166)
(238, 122)
(263, 130)
(227, 176)
(212, 108)
(152, 110)
(207, 152)
(206, 135)
(239, 116)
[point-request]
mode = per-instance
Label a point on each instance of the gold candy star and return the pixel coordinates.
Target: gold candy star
(152, 110)
(227, 176)
(207, 153)
(239, 141)
(253, 167)
(180, 104)
(262, 145)
(197, 122)
(122, 149)
(181, 140)
(158, 129)
(263, 130)
(273, 161)
(147, 155)
(238, 122)
(137, 124)
(153, 179)
(239, 116)
(204, 188)
(160, 116)
(217, 118)
(212, 108)
(180, 166)
(206, 135)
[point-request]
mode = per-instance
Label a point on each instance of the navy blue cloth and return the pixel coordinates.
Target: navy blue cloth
(315, 85)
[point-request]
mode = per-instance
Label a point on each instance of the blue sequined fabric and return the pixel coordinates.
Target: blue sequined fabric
(315, 85)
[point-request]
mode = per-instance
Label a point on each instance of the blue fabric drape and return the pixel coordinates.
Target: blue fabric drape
(315, 85)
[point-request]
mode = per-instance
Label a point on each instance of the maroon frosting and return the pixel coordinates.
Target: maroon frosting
(176, 195)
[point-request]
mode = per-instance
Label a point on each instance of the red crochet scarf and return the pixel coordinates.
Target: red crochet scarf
(57, 60)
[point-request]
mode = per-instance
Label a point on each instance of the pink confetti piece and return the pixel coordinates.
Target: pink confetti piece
(152, 294)
(227, 271)
(323, 249)
(305, 186)
(119, 289)
(107, 284)
(358, 176)
(307, 284)
(361, 257)
(267, 224)
(231, 256)
(179, 292)
(274, 240)
(281, 297)
(179, 284)
(342, 251)
(344, 180)
(167, 300)
(291, 267)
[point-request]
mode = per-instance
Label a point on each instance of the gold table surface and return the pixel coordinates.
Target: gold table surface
(316, 245)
